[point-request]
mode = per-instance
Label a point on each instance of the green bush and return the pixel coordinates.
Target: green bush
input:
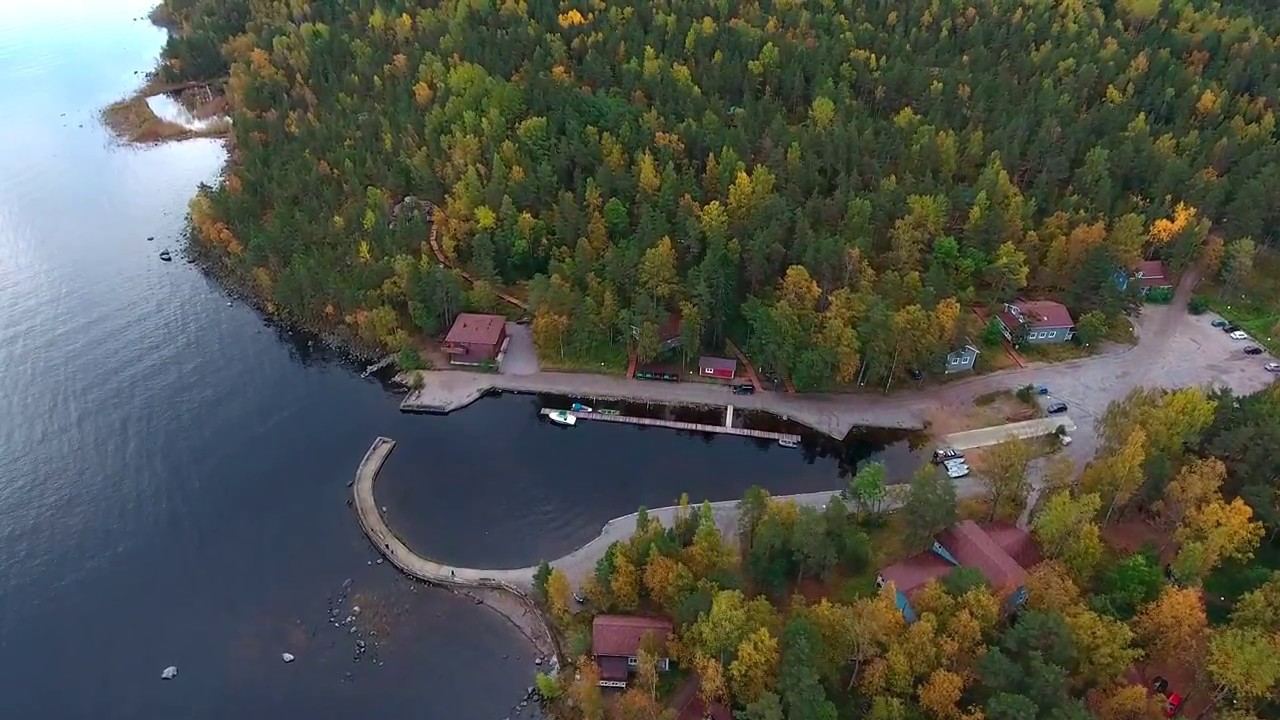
(1160, 296)
(409, 359)
(992, 334)
(1024, 393)
(1198, 305)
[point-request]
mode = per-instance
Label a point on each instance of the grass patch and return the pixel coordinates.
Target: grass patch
(986, 399)
(1057, 352)
(1120, 330)
(612, 361)
(1256, 307)
(132, 120)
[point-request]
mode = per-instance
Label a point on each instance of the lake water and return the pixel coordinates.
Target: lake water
(173, 470)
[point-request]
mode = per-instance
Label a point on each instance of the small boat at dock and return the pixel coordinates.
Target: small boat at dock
(579, 407)
(562, 417)
(788, 442)
(608, 411)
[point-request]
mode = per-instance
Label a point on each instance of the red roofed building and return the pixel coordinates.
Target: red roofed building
(475, 339)
(717, 367)
(616, 641)
(1036, 321)
(997, 552)
(689, 706)
(1152, 275)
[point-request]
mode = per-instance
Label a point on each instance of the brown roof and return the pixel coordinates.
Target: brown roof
(916, 571)
(621, 634)
(613, 667)
(476, 329)
(973, 547)
(710, 362)
(1017, 542)
(1039, 314)
(1151, 273)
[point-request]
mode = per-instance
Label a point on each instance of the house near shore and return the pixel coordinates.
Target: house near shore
(962, 359)
(476, 339)
(1152, 275)
(616, 641)
(717, 367)
(1037, 322)
(1000, 553)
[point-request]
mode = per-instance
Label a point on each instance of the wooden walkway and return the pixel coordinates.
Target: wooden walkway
(679, 425)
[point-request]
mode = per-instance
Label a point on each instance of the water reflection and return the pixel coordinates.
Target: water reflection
(167, 108)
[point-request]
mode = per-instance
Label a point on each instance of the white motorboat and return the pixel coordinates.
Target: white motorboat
(562, 417)
(788, 442)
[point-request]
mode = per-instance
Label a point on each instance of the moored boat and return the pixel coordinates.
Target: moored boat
(562, 417)
(788, 442)
(579, 407)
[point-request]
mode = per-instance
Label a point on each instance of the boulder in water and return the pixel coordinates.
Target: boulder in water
(287, 657)
(169, 673)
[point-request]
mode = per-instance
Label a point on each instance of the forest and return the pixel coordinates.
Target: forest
(826, 182)
(784, 619)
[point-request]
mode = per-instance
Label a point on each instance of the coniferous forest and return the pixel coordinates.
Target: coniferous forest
(830, 183)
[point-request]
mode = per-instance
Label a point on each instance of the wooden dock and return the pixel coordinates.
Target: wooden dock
(679, 425)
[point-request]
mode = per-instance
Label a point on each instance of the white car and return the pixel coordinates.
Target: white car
(1272, 367)
(1238, 335)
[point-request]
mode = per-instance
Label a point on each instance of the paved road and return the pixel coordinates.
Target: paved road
(520, 358)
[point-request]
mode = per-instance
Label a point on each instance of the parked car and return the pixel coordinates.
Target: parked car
(1253, 350)
(1160, 684)
(1042, 389)
(744, 389)
(1230, 328)
(1056, 408)
(1272, 367)
(1239, 335)
(1173, 705)
(942, 455)
(1219, 323)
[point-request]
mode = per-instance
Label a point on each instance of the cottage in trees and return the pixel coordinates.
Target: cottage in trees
(475, 339)
(1001, 554)
(1036, 322)
(1151, 275)
(616, 641)
(962, 359)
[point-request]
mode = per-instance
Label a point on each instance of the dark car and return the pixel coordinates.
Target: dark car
(1056, 408)
(744, 389)
(1230, 328)
(1253, 350)
(1219, 323)
(1160, 685)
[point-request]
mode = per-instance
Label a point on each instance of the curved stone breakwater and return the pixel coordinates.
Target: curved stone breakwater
(506, 591)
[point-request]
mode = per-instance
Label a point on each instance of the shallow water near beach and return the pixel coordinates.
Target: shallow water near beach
(173, 469)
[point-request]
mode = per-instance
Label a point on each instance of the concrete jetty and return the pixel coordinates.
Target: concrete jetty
(681, 425)
(444, 391)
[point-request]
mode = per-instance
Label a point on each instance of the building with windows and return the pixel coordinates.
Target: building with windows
(1036, 322)
(717, 367)
(616, 641)
(476, 339)
(961, 360)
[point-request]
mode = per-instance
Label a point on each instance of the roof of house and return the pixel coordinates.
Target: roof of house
(622, 634)
(1039, 314)
(613, 667)
(1017, 542)
(709, 362)
(476, 329)
(966, 349)
(973, 547)
(916, 571)
(1151, 273)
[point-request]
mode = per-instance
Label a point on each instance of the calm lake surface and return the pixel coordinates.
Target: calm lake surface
(173, 470)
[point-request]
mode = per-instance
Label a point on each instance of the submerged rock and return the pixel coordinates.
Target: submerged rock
(169, 673)
(287, 657)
